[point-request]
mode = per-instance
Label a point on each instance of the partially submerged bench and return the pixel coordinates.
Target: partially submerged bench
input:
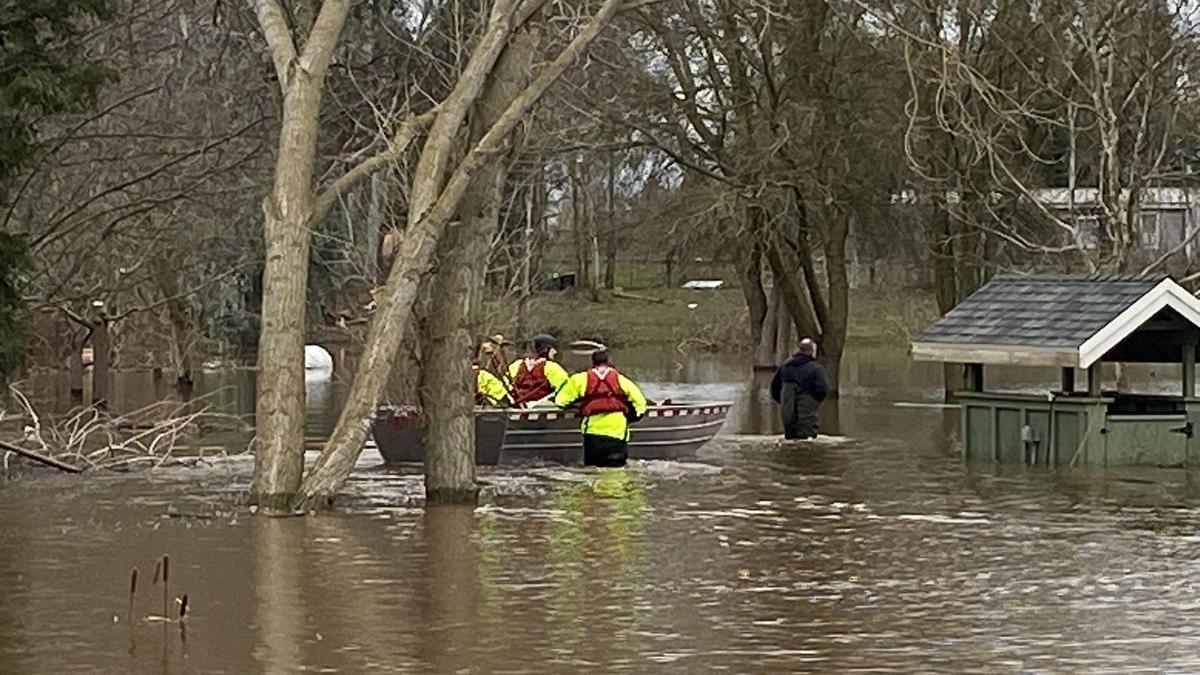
(1074, 323)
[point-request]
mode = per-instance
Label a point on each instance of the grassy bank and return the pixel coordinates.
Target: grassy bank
(707, 320)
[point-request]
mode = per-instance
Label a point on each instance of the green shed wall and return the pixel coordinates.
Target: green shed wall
(1074, 430)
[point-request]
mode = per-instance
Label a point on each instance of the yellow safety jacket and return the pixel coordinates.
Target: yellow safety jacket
(610, 424)
(491, 389)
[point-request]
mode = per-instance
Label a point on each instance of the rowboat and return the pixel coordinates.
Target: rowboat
(514, 436)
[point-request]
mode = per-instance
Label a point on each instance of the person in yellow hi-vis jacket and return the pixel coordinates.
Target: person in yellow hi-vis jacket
(608, 403)
(489, 390)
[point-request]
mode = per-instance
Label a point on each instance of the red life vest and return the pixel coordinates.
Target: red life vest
(531, 384)
(603, 393)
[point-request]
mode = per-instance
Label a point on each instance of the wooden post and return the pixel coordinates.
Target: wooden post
(1189, 370)
(1068, 380)
(975, 377)
(1094, 380)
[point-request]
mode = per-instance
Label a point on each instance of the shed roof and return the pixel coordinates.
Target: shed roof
(1065, 320)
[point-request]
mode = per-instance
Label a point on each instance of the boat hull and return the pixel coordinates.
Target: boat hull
(401, 438)
(672, 432)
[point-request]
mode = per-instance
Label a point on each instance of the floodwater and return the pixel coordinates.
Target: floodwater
(873, 551)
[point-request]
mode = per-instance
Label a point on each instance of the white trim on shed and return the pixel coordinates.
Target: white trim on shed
(1166, 294)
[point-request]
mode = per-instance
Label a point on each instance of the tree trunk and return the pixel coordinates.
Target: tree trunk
(182, 330)
(413, 264)
(101, 346)
(785, 337)
(374, 231)
(750, 279)
(766, 348)
(75, 369)
(797, 298)
(583, 265)
(526, 265)
(610, 232)
(448, 392)
(945, 284)
(279, 410)
(833, 330)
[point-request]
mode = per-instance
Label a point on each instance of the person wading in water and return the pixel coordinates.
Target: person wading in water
(537, 376)
(608, 403)
(799, 387)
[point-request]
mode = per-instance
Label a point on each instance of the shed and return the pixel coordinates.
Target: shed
(1073, 322)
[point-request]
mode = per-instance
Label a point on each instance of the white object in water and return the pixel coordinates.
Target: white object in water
(692, 305)
(585, 347)
(704, 284)
(317, 361)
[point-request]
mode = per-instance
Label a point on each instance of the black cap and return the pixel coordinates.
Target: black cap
(543, 343)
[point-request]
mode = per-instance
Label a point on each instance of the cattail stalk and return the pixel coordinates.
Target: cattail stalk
(166, 574)
(132, 591)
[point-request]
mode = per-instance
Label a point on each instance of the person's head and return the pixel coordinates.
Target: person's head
(544, 346)
(600, 357)
(808, 348)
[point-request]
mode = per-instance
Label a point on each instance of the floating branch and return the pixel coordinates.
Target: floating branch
(40, 458)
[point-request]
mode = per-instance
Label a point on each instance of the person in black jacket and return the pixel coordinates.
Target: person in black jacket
(799, 387)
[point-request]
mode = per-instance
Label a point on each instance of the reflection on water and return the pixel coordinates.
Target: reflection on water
(875, 552)
(278, 609)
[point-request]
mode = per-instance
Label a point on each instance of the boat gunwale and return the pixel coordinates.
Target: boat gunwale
(685, 427)
(688, 410)
(632, 444)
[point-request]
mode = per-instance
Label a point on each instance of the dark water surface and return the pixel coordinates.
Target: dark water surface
(874, 552)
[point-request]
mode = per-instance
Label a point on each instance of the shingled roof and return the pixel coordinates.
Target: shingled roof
(1068, 320)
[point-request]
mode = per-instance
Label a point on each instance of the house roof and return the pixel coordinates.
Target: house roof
(1062, 320)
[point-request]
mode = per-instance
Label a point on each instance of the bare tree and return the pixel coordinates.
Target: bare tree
(421, 237)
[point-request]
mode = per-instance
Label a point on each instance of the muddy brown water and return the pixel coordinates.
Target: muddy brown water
(875, 552)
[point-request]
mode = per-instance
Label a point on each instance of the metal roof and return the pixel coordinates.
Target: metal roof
(1068, 320)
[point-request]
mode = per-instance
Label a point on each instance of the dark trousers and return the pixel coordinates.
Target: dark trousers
(799, 411)
(604, 451)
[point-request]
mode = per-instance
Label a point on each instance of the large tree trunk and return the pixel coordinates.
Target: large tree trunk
(288, 212)
(413, 264)
(279, 411)
(448, 392)
(446, 395)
